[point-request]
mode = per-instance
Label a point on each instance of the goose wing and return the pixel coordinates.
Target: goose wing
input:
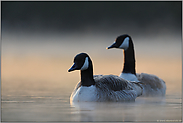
(114, 88)
(112, 82)
(153, 81)
(152, 84)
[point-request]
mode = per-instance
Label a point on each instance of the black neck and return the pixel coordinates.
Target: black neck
(129, 59)
(87, 76)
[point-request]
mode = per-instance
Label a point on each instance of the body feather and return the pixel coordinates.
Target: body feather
(113, 88)
(152, 85)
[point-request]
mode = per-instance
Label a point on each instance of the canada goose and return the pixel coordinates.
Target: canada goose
(100, 87)
(152, 85)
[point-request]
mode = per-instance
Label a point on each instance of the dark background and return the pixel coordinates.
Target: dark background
(140, 18)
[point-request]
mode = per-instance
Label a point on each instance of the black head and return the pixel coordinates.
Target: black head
(121, 42)
(81, 62)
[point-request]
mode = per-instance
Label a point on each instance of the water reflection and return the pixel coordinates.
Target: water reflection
(143, 109)
(84, 106)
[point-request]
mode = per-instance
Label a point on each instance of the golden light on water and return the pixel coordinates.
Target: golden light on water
(55, 70)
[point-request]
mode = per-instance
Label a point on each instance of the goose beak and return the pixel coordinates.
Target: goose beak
(112, 46)
(109, 47)
(74, 67)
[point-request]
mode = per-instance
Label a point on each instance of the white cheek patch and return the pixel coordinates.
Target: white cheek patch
(85, 65)
(125, 44)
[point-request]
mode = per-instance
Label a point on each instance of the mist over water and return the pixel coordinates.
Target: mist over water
(38, 48)
(35, 80)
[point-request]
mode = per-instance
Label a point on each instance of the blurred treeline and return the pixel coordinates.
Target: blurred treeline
(59, 15)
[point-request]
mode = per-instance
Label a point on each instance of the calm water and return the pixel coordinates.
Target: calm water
(58, 108)
(36, 85)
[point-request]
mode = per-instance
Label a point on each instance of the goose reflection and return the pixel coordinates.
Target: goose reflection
(96, 111)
